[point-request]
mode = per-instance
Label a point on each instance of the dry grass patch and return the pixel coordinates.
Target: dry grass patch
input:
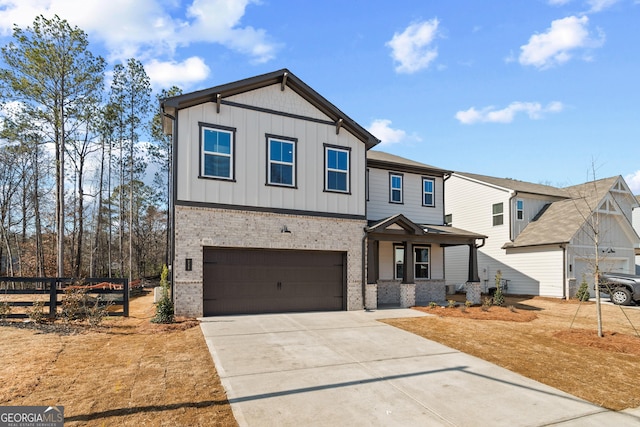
(535, 339)
(126, 372)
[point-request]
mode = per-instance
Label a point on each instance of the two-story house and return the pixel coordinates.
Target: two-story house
(544, 240)
(269, 209)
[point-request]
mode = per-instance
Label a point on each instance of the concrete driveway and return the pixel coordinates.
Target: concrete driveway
(346, 368)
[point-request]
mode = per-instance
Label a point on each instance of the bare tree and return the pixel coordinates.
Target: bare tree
(51, 70)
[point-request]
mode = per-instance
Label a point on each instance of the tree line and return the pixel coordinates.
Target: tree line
(74, 198)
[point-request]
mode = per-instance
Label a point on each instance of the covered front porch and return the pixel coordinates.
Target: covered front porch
(405, 261)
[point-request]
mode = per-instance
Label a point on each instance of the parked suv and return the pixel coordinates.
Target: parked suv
(622, 288)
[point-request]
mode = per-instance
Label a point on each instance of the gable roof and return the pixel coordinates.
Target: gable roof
(382, 160)
(562, 219)
(285, 78)
(515, 185)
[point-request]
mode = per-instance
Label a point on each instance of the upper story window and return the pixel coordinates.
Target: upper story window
(281, 155)
(395, 188)
(498, 214)
(217, 151)
(519, 210)
(428, 185)
(336, 169)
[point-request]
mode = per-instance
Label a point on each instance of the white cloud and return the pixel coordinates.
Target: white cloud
(147, 29)
(182, 74)
(633, 180)
(600, 5)
(413, 49)
(534, 110)
(556, 45)
(558, 2)
(381, 129)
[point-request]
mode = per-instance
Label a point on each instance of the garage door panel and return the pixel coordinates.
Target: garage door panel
(266, 281)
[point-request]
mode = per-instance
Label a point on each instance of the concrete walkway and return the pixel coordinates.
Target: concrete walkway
(346, 368)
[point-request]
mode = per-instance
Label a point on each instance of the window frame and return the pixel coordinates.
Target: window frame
(432, 192)
(294, 163)
(398, 262)
(422, 263)
(520, 210)
(497, 217)
(203, 127)
(392, 188)
(327, 169)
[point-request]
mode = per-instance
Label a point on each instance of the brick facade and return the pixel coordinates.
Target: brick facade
(197, 227)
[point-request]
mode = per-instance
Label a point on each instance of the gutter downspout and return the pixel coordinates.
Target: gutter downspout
(565, 282)
(514, 194)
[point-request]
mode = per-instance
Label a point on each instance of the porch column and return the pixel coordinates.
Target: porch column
(473, 264)
(373, 260)
(409, 266)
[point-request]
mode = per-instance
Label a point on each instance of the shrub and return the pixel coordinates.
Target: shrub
(468, 303)
(451, 303)
(433, 304)
(164, 308)
(583, 290)
(5, 309)
(486, 304)
(36, 312)
(77, 305)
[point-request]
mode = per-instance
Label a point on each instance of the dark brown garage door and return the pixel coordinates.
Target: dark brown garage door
(269, 281)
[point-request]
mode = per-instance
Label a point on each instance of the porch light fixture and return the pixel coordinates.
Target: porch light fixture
(188, 264)
(284, 229)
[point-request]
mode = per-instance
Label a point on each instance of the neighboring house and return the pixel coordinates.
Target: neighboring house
(636, 226)
(269, 209)
(544, 240)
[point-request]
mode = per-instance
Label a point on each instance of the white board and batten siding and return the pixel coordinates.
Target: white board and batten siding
(250, 151)
(380, 207)
(471, 206)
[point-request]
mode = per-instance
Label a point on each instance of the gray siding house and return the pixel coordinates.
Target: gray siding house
(269, 209)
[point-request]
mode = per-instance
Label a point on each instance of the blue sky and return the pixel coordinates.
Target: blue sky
(544, 91)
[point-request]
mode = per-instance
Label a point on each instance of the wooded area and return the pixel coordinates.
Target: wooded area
(75, 195)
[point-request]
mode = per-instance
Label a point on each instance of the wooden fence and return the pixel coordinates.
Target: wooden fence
(111, 291)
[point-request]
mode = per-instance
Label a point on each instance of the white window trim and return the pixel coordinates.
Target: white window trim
(416, 263)
(520, 211)
(396, 261)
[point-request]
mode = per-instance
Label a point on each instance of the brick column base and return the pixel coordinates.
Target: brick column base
(407, 295)
(474, 292)
(371, 296)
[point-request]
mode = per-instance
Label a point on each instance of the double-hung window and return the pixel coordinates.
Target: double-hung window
(395, 188)
(519, 210)
(281, 155)
(422, 261)
(398, 261)
(498, 214)
(336, 169)
(428, 185)
(217, 147)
